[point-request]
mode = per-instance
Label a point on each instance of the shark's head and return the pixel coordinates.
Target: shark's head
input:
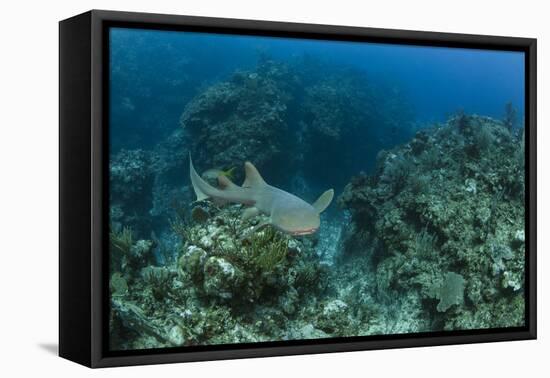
(303, 220)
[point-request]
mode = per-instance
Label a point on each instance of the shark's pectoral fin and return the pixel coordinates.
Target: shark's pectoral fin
(224, 182)
(250, 212)
(323, 201)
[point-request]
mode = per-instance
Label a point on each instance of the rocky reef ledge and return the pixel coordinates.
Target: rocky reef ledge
(441, 225)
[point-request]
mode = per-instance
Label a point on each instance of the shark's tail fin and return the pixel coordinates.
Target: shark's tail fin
(199, 185)
(228, 191)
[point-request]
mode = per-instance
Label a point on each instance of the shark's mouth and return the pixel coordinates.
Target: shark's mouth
(306, 231)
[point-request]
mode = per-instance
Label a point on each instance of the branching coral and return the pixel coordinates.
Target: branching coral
(268, 249)
(159, 279)
(484, 139)
(122, 241)
(127, 254)
(120, 246)
(462, 121)
(184, 230)
(396, 172)
(425, 243)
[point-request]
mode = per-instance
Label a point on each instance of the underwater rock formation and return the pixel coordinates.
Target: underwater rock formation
(339, 110)
(284, 117)
(127, 254)
(444, 212)
(147, 188)
(130, 188)
(241, 119)
(228, 285)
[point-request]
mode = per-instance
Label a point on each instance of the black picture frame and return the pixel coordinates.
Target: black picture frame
(83, 167)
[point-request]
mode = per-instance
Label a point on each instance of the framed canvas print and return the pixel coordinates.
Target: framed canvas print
(234, 188)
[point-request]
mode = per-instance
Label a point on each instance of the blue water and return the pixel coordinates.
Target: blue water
(155, 73)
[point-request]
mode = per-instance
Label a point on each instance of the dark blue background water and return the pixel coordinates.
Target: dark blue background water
(155, 73)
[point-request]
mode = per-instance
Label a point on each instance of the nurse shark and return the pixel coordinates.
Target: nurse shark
(286, 211)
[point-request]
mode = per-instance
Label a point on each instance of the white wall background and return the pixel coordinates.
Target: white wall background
(29, 174)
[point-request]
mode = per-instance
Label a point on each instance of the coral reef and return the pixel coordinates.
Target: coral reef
(432, 240)
(241, 119)
(130, 188)
(445, 212)
(224, 287)
(286, 118)
(337, 110)
(127, 254)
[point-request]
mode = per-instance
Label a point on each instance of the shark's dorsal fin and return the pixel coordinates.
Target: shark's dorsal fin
(323, 201)
(253, 178)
